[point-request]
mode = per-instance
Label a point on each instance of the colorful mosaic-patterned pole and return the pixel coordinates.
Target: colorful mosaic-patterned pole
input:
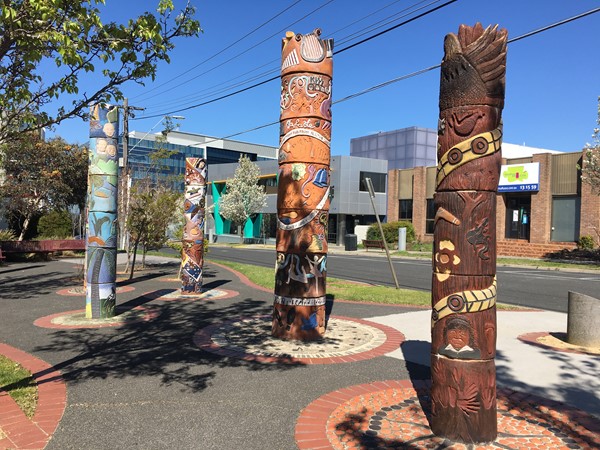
(303, 187)
(463, 391)
(101, 241)
(192, 251)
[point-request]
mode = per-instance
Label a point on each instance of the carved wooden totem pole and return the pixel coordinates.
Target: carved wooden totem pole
(192, 251)
(463, 391)
(303, 187)
(101, 240)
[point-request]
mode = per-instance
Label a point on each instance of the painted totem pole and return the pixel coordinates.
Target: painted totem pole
(192, 251)
(303, 187)
(463, 392)
(101, 240)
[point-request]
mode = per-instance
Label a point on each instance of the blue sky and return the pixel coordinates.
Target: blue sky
(552, 81)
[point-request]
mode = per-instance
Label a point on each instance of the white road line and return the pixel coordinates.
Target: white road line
(547, 276)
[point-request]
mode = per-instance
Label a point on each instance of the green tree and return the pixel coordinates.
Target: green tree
(39, 177)
(152, 210)
(244, 197)
(71, 36)
(55, 224)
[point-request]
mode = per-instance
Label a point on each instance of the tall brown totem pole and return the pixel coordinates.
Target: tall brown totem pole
(303, 187)
(463, 320)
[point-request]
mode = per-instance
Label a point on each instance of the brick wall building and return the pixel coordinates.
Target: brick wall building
(546, 208)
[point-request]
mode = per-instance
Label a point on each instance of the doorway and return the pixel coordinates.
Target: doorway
(518, 216)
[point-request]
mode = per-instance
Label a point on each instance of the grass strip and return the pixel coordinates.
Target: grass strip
(20, 385)
(349, 290)
(341, 289)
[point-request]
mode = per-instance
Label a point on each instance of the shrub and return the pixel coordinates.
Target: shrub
(7, 235)
(56, 224)
(586, 243)
(390, 231)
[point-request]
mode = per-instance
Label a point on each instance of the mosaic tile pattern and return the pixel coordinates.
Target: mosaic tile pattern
(347, 340)
(211, 294)
(78, 319)
(80, 290)
(393, 414)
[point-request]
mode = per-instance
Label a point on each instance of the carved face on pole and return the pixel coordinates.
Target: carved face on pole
(463, 318)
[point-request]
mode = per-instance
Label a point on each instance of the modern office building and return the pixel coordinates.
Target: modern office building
(542, 205)
(402, 149)
(350, 205)
(181, 145)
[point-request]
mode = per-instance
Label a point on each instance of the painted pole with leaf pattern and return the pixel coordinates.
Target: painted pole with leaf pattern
(192, 251)
(303, 187)
(101, 238)
(463, 322)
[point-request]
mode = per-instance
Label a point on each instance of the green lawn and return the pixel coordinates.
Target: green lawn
(340, 289)
(21, 386)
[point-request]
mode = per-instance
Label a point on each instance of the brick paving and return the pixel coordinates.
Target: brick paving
(146, 385)
(24, 433)
(394, 414)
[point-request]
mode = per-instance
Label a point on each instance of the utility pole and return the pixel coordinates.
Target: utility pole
(125, 172)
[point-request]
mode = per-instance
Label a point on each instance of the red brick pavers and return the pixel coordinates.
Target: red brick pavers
(24, 433)
(203, 339)
(537, 337)
(394, 414)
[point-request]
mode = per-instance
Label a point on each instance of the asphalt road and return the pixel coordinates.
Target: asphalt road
(529, 287)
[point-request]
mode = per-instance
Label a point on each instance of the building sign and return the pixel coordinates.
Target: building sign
(519, 177)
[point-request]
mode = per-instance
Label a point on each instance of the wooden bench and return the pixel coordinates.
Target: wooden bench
(43, 247)
(367, 244)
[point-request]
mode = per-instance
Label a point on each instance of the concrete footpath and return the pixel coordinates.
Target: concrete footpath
(194, 373)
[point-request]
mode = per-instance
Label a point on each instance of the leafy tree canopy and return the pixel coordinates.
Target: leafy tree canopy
(41, 177)
(243, 197)
(71, 36)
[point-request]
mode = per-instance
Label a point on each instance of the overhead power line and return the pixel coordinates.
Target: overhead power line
(224, 87)
(239, 91)
(252, 47)
(222, 50)
(418, 72)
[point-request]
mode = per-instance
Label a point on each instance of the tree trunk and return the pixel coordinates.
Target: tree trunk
(25, 227)
(135, 247)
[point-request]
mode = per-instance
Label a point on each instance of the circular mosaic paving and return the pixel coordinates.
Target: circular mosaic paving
(558, 342)
(346, 340)
(80, 290)
(393, 414)
(77, 319)
(210, 294)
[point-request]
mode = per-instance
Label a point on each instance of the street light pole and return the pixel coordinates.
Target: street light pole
(126, 186)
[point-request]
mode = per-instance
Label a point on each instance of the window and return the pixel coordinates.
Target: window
(378, 180)
(430, 218)
(565, 218)
(405, 210)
